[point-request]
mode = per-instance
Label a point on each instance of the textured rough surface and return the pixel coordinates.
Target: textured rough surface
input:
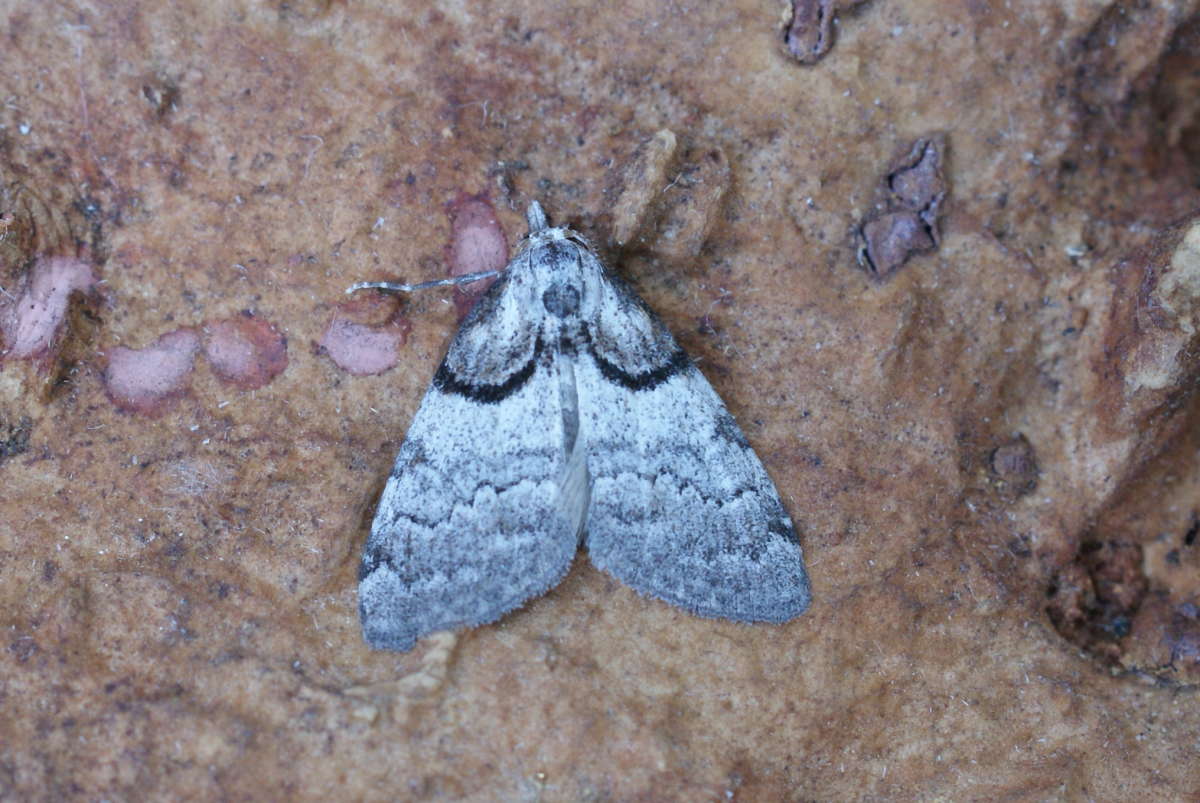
(907, 219)
(991, 456)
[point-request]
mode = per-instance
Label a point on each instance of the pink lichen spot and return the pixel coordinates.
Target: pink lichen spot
(30, 318)
(360, 347)
(477, 243)
(245, 351)
(144, 380)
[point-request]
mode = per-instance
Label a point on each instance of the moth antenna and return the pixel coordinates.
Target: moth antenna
(394, 287)
(536, 217)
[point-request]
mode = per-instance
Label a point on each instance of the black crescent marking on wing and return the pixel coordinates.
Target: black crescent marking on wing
(677, 363)
(446, 381)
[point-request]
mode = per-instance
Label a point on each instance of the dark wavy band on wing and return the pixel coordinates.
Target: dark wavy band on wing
(643, 380)
(446, 381)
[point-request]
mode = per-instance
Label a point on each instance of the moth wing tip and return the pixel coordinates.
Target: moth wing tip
(388, 638)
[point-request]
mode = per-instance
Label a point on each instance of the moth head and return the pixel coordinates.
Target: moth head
(540, 230)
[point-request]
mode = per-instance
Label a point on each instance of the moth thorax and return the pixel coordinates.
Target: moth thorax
(561, 299)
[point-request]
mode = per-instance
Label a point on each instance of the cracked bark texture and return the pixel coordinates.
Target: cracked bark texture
(991, 456)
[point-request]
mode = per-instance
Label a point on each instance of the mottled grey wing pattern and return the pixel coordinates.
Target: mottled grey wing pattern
(564, 403)
(471, 524)
(681, 508)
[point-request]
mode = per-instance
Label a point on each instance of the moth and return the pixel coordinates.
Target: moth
(565, 414)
